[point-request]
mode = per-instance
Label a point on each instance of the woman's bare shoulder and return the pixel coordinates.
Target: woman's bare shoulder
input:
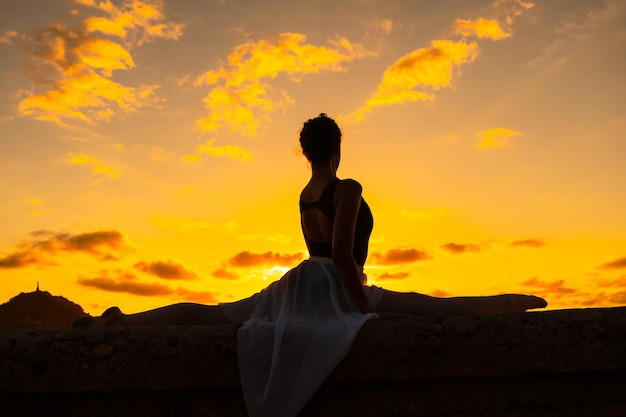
(349, 187)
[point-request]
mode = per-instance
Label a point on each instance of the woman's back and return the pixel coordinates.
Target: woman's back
(318, 202)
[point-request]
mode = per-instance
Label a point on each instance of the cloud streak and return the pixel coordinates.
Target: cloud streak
(249, 259)
(495, 138)
(400, 256)
(71, 67)
(168, 270)
(389, 276)
(418, 75)
(120, 281)
(549, 287)
(223, 273)
(98, 167)
(7, 37)
(209, 148)
(615, 264)
(104, 244)
(481, 28)
(458, 248)
(531, 243)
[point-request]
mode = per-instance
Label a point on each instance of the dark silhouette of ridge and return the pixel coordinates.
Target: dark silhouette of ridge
(39, 310)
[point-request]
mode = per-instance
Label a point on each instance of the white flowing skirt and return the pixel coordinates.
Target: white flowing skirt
(295, 332)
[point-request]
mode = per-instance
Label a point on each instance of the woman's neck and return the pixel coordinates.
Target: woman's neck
(323, 172)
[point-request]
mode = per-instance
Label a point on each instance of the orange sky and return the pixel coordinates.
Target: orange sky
(149, 153)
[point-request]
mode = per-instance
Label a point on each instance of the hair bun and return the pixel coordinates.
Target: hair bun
(320, 138)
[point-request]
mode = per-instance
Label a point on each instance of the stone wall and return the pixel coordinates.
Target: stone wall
(554, 363)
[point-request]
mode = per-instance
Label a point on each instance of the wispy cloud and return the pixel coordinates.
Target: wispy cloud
(391, 276)
(241, 97)
(458, 248)
(206, 297)
(71, 67)
(167, 269)
(603, 19)
(549, 287)
(7, 37)
(118, 280)
(137, 22)
(98, 167)
(495, 138)
(615, 264)
(38, 250)
(247, 259)
(440, 293)
(418, 75)
(531, 243)
(209, 148)
(35, 205)
(400, 256)
(223, 273)
(481, 28)
(598, 293)
(122, 281)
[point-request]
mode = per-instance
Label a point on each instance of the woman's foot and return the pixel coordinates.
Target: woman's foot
(519, 303)
(109, 318)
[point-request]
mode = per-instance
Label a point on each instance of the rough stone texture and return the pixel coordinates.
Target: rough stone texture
(552, 364)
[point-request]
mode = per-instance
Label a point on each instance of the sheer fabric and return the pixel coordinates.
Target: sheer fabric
(298, 331)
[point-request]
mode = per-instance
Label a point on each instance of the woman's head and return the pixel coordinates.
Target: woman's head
(320, 139)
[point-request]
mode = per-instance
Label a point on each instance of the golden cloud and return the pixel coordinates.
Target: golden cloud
(416, 76)
(247, 259)
(98, 166)
(457, 248)
(400, 256)
(481, 28)
(209, 148)
(37, 250)
(71, 67)
(142, 21)
(241, 101)
(495, 138)
(165, 269)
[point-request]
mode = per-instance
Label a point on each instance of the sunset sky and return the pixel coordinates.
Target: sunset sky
(149, 149)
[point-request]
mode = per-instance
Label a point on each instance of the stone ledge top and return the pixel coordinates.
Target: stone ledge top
(411, 349)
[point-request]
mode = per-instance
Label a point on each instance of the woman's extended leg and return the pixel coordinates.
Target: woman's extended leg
(424, 305)
(172, 315)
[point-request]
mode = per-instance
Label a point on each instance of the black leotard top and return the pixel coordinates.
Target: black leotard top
(363, 229)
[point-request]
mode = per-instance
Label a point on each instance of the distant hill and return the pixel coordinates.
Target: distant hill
(39, 310)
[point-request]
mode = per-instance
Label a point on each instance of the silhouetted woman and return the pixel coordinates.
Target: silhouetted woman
(300, 327)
